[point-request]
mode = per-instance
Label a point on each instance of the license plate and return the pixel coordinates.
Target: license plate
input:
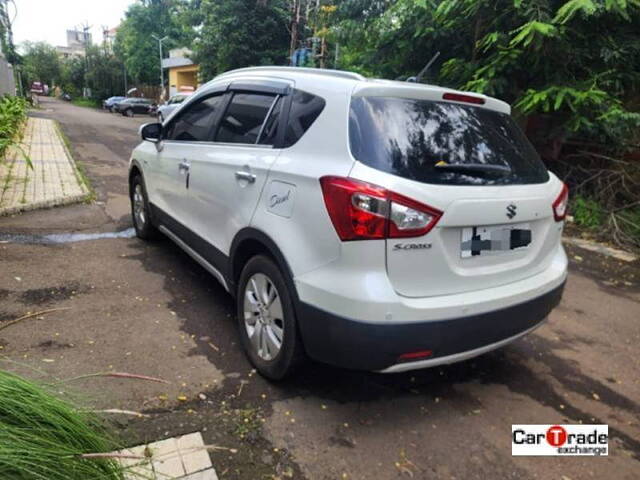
(494, 240)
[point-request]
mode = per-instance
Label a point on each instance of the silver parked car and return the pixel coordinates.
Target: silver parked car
(174, 102)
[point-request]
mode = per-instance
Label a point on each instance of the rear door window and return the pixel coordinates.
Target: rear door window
(243, 120)
(442, 143)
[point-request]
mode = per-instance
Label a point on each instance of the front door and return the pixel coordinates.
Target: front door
(187, 138)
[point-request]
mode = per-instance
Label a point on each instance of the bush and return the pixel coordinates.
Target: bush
(13, 113)
(42, 437)
(587, 212)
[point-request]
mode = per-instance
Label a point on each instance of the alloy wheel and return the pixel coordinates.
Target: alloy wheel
(263, 316)
(139, 207)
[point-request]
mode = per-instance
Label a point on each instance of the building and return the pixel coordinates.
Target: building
(77, 40)
(109, 37)
(183, 72)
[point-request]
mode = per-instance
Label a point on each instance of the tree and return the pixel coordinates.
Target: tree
(41, 63)
(241, 33)
(6, 35)
(105, 74)
(577, 59)
(73, 75)
(135, 44)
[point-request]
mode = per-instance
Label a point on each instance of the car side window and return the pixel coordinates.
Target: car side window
(243, 120)
(305, 109)
(196, 122)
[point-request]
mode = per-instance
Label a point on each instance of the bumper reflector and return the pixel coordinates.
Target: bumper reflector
(412, 356)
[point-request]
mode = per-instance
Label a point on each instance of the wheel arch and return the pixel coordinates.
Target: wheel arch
(134, 169)
(249, 242)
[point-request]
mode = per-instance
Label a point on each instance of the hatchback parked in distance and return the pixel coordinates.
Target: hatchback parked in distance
(174, 102)
(130, 106)
(368, 224)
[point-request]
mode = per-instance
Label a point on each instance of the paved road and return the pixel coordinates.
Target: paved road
(149, 309)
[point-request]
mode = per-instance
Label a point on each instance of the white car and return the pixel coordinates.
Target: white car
(368, 224)
(164, 111)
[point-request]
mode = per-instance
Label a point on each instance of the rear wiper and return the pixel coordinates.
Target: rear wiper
(474, 168)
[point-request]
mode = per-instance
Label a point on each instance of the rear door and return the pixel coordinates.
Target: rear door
(474, 165)
(227, 181)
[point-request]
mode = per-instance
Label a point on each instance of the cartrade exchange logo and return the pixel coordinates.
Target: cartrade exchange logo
(546, 440)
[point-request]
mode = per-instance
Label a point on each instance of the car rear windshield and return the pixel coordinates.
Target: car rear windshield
(442, 143)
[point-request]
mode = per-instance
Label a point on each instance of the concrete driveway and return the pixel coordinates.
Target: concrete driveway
(147, 308)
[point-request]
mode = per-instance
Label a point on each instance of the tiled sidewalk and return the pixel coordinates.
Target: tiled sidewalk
(54, 179)
(184, 458)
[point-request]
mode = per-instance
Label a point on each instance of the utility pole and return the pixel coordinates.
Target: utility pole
(295, 25)
(85, 40)
(160, 40)
(124, 73)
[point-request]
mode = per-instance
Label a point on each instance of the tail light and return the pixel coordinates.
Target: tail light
(362, 211)
(561, 204)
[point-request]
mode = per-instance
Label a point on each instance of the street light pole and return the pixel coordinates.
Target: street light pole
(160, 40)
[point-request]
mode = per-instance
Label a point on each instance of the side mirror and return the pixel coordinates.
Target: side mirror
(151, 132)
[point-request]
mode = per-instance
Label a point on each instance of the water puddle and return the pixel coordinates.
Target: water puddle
(57, 238)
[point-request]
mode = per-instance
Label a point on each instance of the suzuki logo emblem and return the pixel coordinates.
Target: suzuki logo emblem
(511, 211)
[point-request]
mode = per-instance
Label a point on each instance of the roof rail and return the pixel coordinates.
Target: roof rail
(316, 71)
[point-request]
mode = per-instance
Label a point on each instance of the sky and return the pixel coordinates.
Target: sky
(48, 20)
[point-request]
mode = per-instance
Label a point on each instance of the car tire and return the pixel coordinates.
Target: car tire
(129, 113)
(140, 210)
(262, 298)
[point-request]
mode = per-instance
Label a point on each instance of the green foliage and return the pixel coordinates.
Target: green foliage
(72, 76)
(43, 437)
(241, 33)
(587, 212)
(530, 31)
(105, 74)
(41, 63)
(135, 43)
(577, 59)
(13, 113)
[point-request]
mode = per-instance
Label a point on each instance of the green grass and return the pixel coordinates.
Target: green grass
(87, 102)
(42, 436)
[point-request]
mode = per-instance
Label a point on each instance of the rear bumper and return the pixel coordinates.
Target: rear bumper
(347, 343)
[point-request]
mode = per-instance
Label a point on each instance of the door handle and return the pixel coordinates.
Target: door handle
(246, 176)
(184, 166)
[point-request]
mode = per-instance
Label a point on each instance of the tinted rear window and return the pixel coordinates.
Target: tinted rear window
(421, 140)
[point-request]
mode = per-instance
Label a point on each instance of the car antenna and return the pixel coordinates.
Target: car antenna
(418, 78)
